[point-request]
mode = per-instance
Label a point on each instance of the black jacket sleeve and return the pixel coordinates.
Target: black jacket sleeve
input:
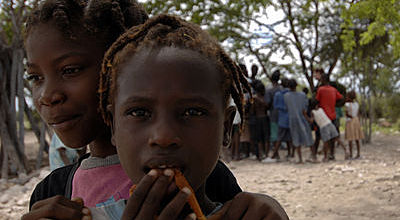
(54, 184)
(58, 182)
(221, 185)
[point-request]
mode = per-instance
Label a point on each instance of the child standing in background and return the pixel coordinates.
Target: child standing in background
(353, 130)
(327, 129)
(283, 122)
(273, 113)
(260, 130)
(296, 103)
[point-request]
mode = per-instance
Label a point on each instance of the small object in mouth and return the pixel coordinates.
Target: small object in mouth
(181, 182)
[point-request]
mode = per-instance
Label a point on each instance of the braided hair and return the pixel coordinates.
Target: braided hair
(169, 31)
(103, 19)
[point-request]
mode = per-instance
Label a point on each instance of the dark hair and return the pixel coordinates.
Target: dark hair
(275, 76)
(334, 85)
(259, 87)
(254, 70)
(320, 70)
(305, 90)
(324, 78)
(105, 20)
(285, 82)
(313, 103)
(292, 84)
(169, 31)
(351, 95)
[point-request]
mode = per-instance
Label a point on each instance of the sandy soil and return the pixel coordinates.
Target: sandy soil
(368, 188)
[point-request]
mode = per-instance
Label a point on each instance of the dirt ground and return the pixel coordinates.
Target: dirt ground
(367, 188)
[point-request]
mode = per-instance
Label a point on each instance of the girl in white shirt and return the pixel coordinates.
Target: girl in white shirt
(353, 130)
(327, 129)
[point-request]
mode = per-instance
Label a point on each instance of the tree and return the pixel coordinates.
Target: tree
(312, 33)
(12, 86)
(382, 18)
(369, 35)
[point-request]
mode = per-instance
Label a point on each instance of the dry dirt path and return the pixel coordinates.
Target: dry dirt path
(368, 188)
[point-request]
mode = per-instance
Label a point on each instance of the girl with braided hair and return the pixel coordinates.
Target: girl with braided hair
(65, 43)
(164, 90)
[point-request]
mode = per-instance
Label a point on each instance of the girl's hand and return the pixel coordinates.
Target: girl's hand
(58, 208)
(251, 206)
(146, 199)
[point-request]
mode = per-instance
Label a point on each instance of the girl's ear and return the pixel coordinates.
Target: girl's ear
(228, 124)
(111, 122)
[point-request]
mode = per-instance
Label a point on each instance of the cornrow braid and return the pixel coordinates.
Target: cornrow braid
(103, 19)
(169, 31)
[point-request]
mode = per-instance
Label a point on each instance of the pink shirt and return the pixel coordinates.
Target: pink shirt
(101, 185)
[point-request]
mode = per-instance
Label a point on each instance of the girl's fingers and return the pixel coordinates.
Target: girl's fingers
(255, 212)
(238, 207)
(57, 200)
(173, 209)
(78, 200)
(139, 194)
(54, 211)
(56, 207)
(221, 213)
(191, 216)
(157, 192)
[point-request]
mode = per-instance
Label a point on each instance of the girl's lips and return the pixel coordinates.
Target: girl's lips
(65, 122)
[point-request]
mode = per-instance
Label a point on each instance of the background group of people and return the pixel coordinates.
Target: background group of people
(280, 114)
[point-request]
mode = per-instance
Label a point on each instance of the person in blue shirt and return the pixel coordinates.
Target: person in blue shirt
(283, 122)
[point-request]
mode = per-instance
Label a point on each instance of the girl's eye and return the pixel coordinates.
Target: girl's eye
(71, 70)
(140, 113)
(194, 112)
(34, 78)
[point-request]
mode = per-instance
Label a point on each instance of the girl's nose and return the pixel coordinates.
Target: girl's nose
(164, 135)
(51, 95)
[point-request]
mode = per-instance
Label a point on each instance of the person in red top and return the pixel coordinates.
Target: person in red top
(327, 97)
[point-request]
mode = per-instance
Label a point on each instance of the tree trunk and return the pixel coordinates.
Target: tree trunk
(42, 145)
(8, 127)
(4, 164)
(21, 101)
(9, 145)
(34, 126)
(370, 103)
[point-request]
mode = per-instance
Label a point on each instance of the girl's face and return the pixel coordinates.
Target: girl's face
(64, 75)
(168, 112)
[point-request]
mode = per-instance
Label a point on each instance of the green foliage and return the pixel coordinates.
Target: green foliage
(382, 17)
(393, 107)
